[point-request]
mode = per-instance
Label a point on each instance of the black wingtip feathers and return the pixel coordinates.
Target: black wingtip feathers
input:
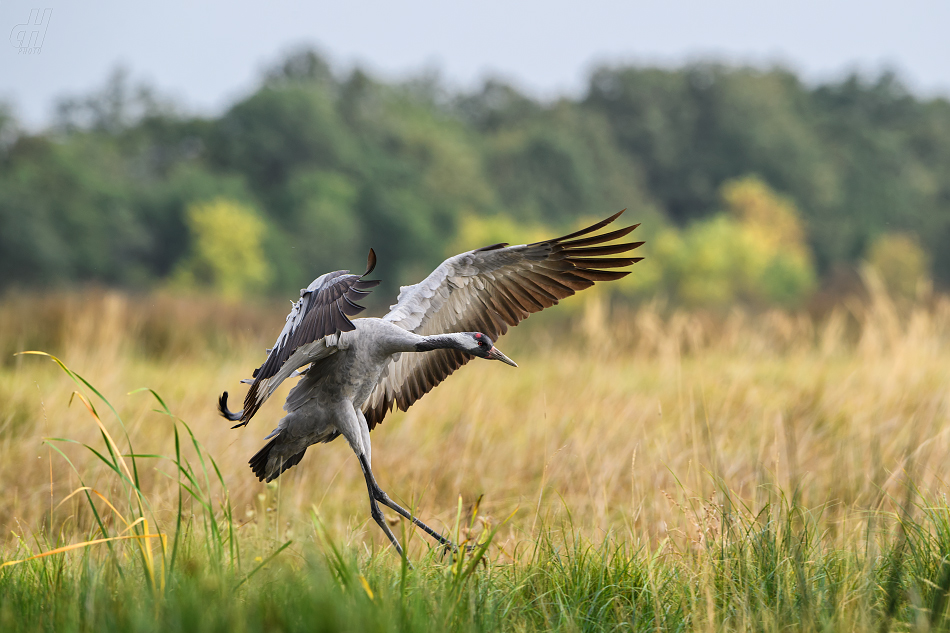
(224, 411)
(227, 414)
(370, 262)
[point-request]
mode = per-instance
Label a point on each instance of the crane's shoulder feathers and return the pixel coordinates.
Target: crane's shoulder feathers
(489, 290)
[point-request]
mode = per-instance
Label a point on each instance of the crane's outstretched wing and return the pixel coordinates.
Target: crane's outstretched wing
(487, 290)
(322, 312)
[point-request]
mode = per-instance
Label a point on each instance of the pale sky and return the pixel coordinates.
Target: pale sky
(206, 55)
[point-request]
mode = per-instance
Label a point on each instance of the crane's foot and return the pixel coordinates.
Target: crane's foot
(383, 498)
(452, 550)
(448, 548)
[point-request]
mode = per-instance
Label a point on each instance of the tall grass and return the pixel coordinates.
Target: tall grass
(641, 471)
(777, 567)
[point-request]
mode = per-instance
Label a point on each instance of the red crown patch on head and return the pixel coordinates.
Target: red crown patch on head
(478, 336)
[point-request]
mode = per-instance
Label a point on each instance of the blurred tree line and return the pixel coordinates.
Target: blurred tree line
(750, 184)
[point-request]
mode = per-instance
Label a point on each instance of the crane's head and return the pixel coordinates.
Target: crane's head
(482, 346)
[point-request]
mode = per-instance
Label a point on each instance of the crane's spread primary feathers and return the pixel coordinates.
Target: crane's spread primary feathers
(487, 290)
(359, 371)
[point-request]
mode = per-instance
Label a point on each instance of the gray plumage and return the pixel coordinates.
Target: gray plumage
(356, 371)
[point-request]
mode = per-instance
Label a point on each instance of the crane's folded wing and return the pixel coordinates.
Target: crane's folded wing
(321, 314)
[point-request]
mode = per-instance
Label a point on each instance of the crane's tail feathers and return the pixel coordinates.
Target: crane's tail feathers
(262, 459)
(226, 413)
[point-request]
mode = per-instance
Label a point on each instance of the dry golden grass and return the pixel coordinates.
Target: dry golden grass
(627, 421)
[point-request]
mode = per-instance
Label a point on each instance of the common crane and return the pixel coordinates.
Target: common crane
(358, 370)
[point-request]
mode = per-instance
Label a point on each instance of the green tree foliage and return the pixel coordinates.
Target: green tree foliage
(859, 158)
(478, 231)
(275, 132)
(226, 253)
(336, 163)
(556, 164)
(66, 214)
(8, 126)
(900, 263)
(754, 250)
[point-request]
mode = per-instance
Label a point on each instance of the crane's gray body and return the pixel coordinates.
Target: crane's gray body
(328, 400)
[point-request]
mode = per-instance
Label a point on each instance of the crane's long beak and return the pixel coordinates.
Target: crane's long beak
(495, 354)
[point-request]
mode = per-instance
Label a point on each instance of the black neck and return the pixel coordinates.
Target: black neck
(438, 342)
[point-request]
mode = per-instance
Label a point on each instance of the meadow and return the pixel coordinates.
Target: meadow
(643, 469)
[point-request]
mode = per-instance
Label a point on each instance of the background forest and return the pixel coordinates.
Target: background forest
(750, 184)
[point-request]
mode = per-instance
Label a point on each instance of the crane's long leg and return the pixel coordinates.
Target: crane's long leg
(374, 510)
(376, 493)
(364, 454)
